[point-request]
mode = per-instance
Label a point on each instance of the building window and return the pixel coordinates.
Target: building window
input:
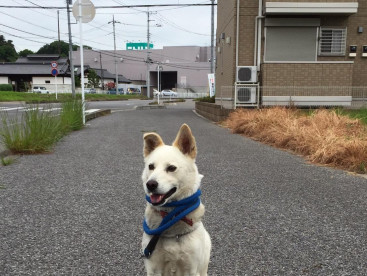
(47, 81)
(332, 41)
(285, 43)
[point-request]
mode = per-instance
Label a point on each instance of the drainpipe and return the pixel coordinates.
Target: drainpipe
(237, 43)
(237, 33)
(257, 48)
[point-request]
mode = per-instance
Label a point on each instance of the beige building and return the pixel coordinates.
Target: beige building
(306, 53)
(181, 67)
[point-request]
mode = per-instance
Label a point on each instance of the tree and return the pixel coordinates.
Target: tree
(93, 78)
(77, 81)
(7, 50)
(25, 53)
(53, 48)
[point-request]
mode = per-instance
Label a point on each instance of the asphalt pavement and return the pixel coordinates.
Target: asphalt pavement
(79, 209)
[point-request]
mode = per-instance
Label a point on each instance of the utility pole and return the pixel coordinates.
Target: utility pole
(102, 74)
(212, 42)
(114, 42)
(68, 2)
(58, 32)
(148, 50)
(148, 57)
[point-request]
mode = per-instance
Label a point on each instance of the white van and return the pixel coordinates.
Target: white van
(40, 89)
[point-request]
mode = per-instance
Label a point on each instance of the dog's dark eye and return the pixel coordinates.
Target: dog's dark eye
(171, 168)
(151, 167)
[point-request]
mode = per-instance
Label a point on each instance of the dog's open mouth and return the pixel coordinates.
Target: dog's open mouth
(158, 199)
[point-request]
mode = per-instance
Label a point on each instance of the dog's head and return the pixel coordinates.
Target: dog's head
(170, 172)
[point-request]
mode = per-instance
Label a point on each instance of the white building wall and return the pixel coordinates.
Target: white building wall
(63, 83)
(4, 80)
(51, 80)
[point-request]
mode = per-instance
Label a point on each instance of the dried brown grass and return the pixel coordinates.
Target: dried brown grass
(324, 137)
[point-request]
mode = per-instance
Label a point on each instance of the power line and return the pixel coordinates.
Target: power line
(109, 7)
(165, 20)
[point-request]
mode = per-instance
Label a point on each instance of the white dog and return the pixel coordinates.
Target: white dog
(178, 243)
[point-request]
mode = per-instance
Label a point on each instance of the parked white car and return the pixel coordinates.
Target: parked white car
(40, 89)
(156, 93)
(90, 91)
(169, 93)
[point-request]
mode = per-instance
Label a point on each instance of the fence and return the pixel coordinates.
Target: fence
(308, 96)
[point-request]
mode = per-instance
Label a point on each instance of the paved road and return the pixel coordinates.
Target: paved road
(79, 209)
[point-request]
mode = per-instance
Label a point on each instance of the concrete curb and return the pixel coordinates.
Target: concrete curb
(96, 114)
(145, 107)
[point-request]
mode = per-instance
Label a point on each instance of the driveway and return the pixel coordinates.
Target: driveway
(79, 209)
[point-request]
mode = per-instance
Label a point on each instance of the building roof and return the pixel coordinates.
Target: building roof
(34, 65)
(106, 74)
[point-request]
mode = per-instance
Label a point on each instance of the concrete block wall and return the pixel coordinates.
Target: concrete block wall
(212, 111)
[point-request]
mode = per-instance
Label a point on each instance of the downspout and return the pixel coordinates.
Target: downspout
(237, 33)
(258, 26)
(257, 48)
(237, 43)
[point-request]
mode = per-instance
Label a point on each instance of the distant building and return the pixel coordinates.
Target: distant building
(35, 70)
(181, 67)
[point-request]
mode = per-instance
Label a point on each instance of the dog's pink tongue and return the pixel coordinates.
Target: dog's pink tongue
(155, 198)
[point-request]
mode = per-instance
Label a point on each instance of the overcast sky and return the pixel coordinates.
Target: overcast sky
(179, 26)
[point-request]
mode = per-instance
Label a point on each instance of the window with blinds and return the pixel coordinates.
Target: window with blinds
(332, 41)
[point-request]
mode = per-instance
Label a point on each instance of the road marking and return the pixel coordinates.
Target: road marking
(11, 108)
(52, 109)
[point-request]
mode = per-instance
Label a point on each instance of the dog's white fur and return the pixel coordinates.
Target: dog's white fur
(182, 249)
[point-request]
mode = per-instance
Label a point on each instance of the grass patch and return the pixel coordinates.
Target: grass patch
(34, 98)
(360, 114)
(324, 136)
(36, 131)
(71, 116)
(6, 161)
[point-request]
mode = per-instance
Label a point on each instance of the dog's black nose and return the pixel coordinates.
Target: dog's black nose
(152, 185)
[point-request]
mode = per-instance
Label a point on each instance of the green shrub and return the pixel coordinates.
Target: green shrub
(6, 87)
(207, 99)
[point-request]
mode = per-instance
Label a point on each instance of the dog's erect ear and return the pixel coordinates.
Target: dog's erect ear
(151, 142)
(185, 142)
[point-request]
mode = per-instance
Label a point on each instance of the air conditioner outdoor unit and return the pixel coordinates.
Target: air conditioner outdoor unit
(246, 74)
(246, 95)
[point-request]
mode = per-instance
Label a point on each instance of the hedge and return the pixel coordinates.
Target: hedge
(6, 87)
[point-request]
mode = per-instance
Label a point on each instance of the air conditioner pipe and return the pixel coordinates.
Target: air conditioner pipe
(258, 26)
(257, 48)
(237, 34)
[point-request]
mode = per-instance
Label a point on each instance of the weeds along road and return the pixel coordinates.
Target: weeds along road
(13, 109)
(79, 209)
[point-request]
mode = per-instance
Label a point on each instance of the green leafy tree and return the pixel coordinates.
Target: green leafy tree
(25, 53)
(53, 48)
(7, 50)
(77, 81)
(93, 78)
